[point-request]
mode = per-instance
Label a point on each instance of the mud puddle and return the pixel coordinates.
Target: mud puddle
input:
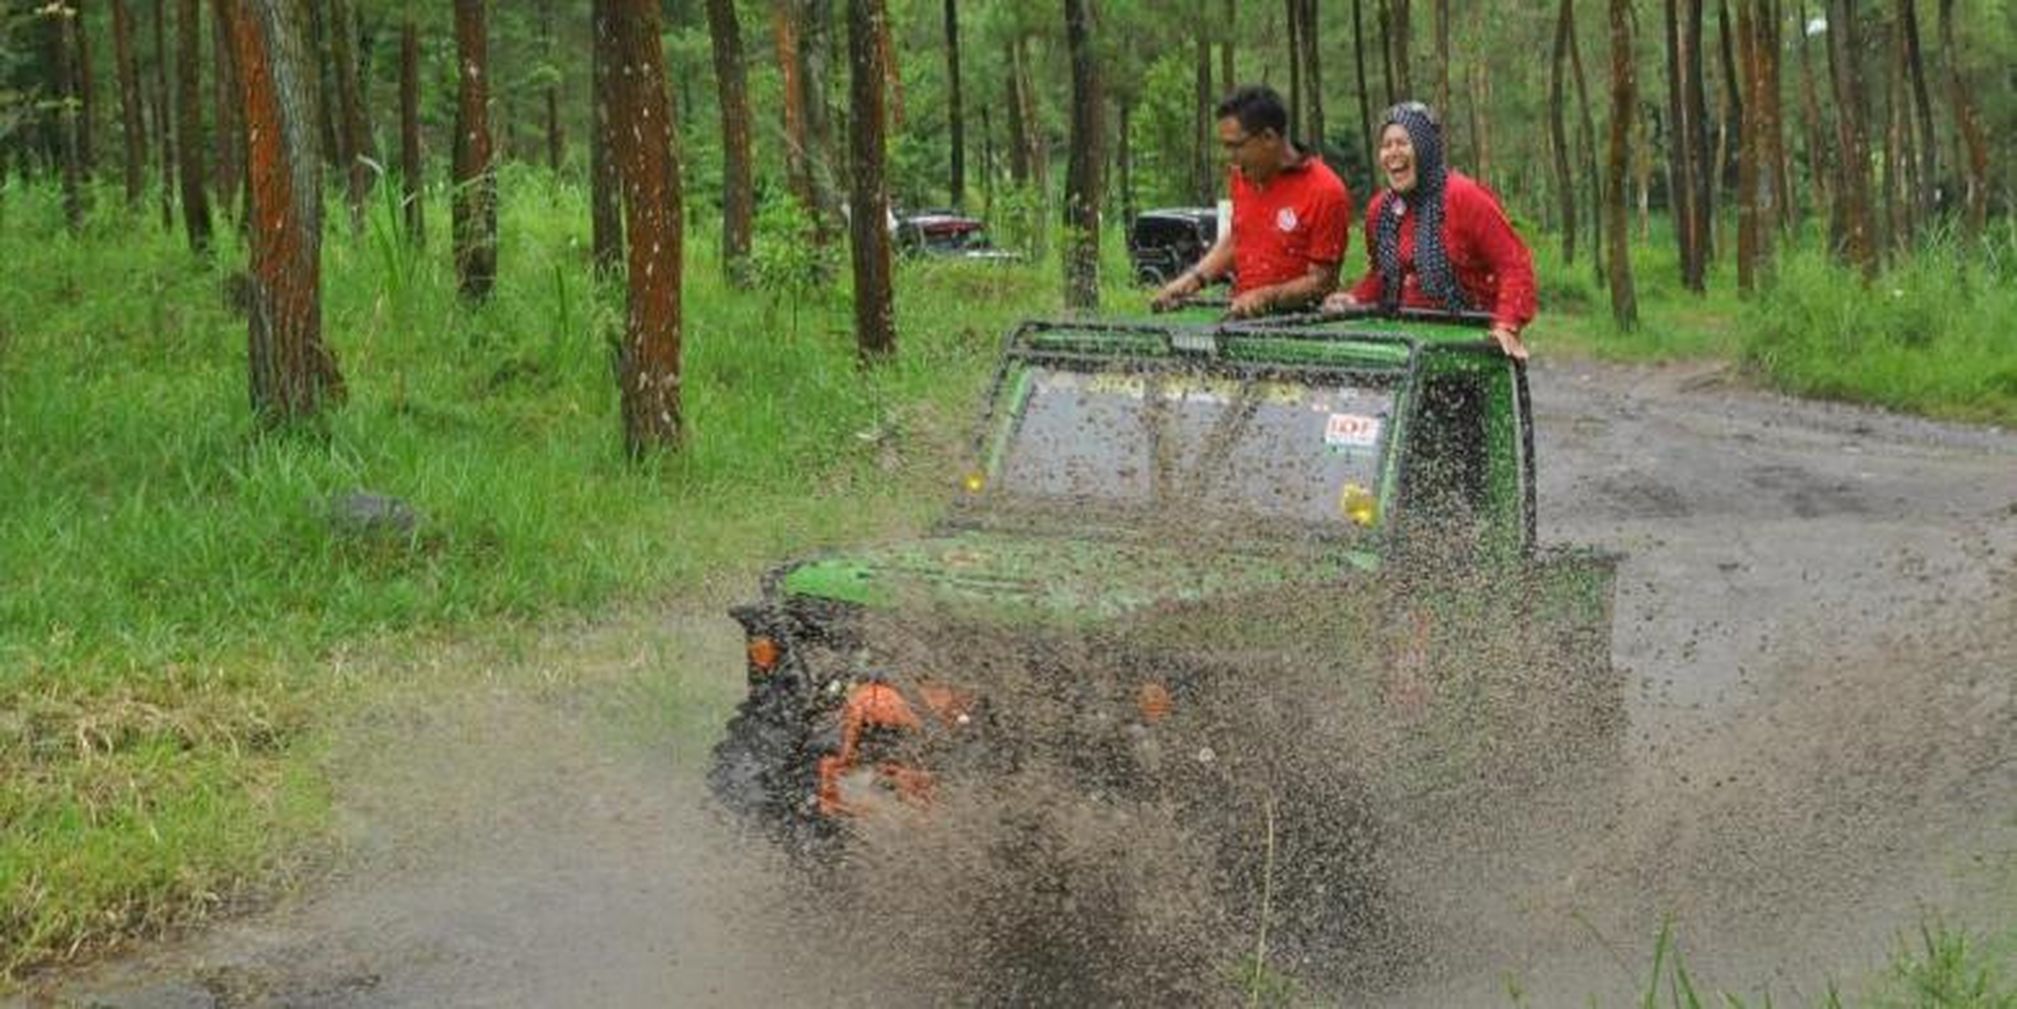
(1816, 614)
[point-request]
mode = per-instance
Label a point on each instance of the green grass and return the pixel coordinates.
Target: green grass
(1930, 335)
(170, 584)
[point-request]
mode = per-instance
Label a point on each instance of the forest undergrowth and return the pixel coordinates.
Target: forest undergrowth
(173, 583)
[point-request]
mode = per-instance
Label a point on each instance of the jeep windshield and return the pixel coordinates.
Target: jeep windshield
(1283, 450)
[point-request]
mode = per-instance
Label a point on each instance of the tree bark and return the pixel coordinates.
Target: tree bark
(816, 47)
(1443, 57)
(132, 130)
(1231, 26)
(189, 126)
(62, 51)
(1398, 36)
(649, 364)
(1819, 171)
(230, 177)
(1083, 182)
(556, 140)
(1967, 123)
(86, 91)
(1204, 182)
(1124, 161)
(1695, 130)
(353, 141)
(1680, 172)
(955, 107)
(1749, 206)
(1926, 164)
(1293, 20)
(293, 375)
(410, 160)
(1558, 132)
(475, 205)
(874, 315)
(1365, 94)
(1312, 126)
(784, 30)
(1586, 133)
(738, 191)
(1859, 239)
(1018, 142)
(164, 116)
(1624, 299)
(605, 186)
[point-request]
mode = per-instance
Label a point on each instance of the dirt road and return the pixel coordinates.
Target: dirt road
(1816, 612)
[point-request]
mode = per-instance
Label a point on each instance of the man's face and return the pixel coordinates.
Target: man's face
(1257, 155)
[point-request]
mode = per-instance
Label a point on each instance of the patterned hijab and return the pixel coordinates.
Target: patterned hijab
(1432, 261)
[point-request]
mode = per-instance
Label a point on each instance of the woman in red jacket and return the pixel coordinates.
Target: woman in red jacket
(1463, 257)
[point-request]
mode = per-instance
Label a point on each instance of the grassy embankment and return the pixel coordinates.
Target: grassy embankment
(171, 589)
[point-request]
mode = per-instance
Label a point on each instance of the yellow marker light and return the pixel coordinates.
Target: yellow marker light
(1358, 504)
(975, 482)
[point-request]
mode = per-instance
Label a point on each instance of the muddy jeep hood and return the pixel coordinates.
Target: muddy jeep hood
(1052, 578)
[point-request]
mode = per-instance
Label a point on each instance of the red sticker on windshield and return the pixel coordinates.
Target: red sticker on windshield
(1351, 430)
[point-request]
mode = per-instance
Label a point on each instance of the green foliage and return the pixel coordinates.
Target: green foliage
(170, 580)
(786, 261)
(1931, 334)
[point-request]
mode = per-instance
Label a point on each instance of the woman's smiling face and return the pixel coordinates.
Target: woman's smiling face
(1397, 158)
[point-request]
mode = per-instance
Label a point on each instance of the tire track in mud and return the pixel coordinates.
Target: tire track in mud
(1816, 613)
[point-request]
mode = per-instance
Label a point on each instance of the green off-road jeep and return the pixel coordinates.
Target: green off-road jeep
(1225, 575)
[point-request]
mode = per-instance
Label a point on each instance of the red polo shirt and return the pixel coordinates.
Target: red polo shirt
(1490, 262)
(1298, 219)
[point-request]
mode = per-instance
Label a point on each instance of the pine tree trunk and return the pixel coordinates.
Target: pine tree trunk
(164, 116)
(353, 142)
(1967, 123)
(1231, 26)
(1860, 242)
(1586, 134)
(1312, 125)
(1443, 57)
(955, 107)
(1018, 141)
(1818, 168)
(293, 375)
(874, 315)
(784, 32)
(1083, 182)
(1401, 40)
(1365, 94)
(132, 130)
(86, 91)
(1203, 180)
(62, 51)
(230, 179)
(474, 217)
(1558, 132)
(1748, 208)
(738, 192)
(649, 362)
(1624, 299)
(1926, 164)
(556, 141)
(605, 187)
(410, 159)
(189, 125)
(1124, 161)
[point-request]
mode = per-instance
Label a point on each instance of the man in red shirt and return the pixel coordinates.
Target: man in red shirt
(1291, 215)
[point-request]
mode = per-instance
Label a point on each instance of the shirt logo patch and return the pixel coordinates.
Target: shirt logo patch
(1286, 220)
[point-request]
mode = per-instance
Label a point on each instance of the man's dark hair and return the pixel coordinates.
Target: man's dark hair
(1257, 107)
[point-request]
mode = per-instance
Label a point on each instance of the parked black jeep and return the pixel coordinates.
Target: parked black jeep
(1164, 243)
